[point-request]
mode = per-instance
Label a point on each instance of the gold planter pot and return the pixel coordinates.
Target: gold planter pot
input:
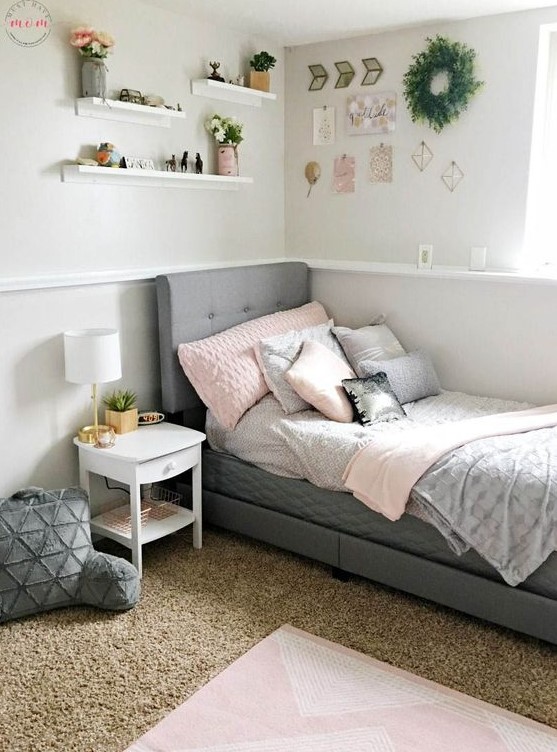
(121, 422)
(260, 80)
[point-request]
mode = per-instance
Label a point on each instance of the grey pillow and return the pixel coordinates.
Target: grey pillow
(412, 377)
(276, 355)
(47, 559)
(368, 343)
(373, 400)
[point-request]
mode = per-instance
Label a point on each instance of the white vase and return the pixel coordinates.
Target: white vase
(228, 159)
(93, 77)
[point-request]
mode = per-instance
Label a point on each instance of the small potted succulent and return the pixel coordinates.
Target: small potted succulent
(121, 410)
(260, 64)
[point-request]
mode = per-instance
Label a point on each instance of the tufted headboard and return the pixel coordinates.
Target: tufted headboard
(194, 305)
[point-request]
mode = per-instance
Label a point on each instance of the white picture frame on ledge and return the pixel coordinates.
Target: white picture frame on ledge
(139, 163)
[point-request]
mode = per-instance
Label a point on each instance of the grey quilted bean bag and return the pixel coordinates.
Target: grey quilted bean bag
(47, 559)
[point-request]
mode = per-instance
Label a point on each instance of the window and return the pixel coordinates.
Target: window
(541, 212)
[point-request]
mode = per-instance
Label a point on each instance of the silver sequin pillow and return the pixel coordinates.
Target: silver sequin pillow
(373, 400)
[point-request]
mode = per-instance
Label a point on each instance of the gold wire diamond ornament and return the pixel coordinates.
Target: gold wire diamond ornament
(452, 176)
(422, 156)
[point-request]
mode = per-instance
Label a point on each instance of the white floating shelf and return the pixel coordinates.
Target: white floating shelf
(206, 87)
(158, 178)
(127, 112)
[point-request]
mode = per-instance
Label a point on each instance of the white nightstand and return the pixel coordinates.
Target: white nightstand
(148, 455)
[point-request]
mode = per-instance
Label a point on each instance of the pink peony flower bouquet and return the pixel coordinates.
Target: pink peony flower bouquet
(91, 43)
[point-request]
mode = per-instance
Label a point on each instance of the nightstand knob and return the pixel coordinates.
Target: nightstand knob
(170, 466)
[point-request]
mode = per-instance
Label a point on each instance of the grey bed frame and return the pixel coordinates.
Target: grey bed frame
(193, 305)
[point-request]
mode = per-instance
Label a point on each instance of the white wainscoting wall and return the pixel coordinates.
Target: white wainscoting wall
(486, 336)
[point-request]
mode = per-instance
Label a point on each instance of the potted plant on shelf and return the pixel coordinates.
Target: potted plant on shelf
(228, 134)
(121, 411)
(261, 64)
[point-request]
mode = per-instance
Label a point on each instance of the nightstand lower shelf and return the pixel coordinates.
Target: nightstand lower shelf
(152, 530)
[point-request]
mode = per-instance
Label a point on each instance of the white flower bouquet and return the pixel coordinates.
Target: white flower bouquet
(226, 130)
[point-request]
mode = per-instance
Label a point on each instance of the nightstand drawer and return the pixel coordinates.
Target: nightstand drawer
(168, 466)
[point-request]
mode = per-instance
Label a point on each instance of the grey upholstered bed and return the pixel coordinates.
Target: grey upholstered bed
(330, 527)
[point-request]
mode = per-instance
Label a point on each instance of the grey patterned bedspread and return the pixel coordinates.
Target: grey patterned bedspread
(498, 496)
(475, 495)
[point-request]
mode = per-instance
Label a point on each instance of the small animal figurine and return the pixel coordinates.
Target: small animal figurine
(184, 162)
(214, 75)
(198, 164)
(171, 164)
(108, 155)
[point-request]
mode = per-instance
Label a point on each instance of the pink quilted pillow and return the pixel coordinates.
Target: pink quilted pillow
(223, 368)
(317, 377)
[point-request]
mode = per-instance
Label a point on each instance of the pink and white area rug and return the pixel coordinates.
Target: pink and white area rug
(297, 693)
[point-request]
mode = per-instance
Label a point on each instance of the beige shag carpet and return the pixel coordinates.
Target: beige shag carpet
(82, 680)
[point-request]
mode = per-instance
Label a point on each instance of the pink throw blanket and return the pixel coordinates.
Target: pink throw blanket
(382, 473)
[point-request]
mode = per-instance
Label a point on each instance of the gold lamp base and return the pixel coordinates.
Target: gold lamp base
(90, 434)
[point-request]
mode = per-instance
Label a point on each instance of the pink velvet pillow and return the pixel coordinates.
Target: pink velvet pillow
(223, 368)
(317, 377)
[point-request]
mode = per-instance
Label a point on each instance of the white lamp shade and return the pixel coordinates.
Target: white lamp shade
(92, 356)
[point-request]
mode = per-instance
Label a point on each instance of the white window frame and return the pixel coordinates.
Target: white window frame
(540, 239)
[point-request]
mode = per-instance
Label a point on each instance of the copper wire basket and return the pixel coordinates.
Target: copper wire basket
(159, 504)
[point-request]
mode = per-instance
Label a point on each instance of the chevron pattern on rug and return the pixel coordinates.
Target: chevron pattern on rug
(294, 691)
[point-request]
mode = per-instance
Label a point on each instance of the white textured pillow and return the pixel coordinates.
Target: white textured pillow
(277, 354)
(223, 369)
(368, 343)
(317, 377)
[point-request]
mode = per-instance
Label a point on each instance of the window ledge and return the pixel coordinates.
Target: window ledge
(437, 272)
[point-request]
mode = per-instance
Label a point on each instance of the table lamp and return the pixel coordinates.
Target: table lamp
(92, 356)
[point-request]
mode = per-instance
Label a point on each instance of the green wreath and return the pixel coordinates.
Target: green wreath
(441, 56)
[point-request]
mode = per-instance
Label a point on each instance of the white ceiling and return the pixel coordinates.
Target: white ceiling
(293, 22)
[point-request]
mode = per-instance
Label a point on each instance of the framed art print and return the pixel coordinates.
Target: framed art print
(344, 174)
(367, 114)
(381, 164)
(323, 126)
